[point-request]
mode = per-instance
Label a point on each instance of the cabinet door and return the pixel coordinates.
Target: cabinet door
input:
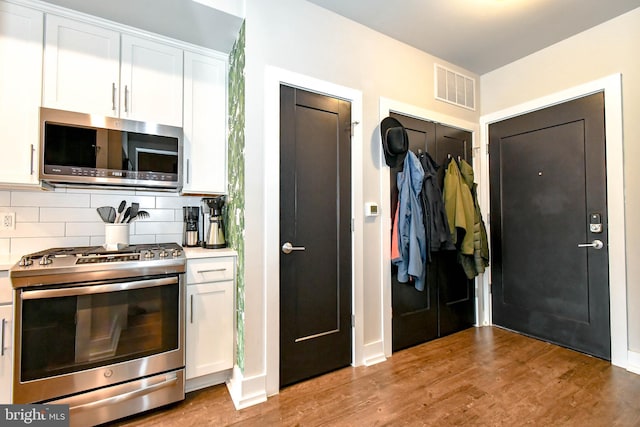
(205, 118)
(6, 352)
(20, 92)
(209, 331)
(81, 67)
(151, 81)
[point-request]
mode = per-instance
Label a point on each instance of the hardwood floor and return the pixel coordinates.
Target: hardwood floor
(477, 377)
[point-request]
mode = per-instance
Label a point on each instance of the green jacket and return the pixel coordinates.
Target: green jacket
(458, 204)
(480, 242)
(465, 219)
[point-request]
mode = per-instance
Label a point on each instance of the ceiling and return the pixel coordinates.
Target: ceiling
(479, 35)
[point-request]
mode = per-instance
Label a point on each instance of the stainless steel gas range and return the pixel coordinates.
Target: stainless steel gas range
(99, 330)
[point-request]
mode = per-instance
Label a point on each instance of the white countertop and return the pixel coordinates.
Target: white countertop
(208, 253)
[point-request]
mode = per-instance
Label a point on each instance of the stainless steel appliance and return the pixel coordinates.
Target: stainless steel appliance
(100, 331)
(80, 149)
(191, 215)
(214, 235)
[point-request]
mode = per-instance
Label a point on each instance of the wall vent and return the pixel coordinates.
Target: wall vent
(455, 88)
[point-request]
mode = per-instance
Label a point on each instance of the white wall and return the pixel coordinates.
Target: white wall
(300, 37)
(599, 52)
(68, 217)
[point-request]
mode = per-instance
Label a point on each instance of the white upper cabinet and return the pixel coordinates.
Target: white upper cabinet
(20, 92)
(96, 70)
(81, 67)
(150, 81)
(205, 124)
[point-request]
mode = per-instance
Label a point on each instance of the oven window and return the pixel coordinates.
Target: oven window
(74, 333)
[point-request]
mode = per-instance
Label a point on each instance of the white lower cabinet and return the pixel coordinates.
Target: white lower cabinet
(209, 321)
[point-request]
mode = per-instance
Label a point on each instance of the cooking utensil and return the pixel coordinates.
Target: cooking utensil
(134, 211)
(120, 210)
(107, 213)
(140, 215)
(125, 217)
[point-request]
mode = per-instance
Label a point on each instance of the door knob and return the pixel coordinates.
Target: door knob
(287, 248)
(596, 244)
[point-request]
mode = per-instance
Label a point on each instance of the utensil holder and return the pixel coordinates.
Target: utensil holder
(116, 236)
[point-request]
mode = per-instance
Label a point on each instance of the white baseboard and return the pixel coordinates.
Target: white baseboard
(207, 380)
(373, 353)
(246, 391)
(633, 362)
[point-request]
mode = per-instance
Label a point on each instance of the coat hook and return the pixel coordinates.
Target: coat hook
(353, 125)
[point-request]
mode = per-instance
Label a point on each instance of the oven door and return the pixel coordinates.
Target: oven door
(76, 338)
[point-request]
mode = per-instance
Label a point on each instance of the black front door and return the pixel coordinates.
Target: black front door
(447, 303)
(549, 225)
(315, 219)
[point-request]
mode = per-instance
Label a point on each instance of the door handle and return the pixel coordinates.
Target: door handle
(287, 248)
(596, 244)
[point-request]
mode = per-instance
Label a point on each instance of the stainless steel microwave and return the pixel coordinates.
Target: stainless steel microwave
(81, 149)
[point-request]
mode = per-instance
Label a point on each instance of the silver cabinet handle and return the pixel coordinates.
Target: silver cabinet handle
(126, 99)
(214, 270)
(113, 96)
(596, 244)
(33, 151)
(188, 175)
(4, 323)
(287, 248)
(191, 302)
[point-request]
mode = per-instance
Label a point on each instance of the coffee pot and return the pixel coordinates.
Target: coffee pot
(214, 230)
(191, 215)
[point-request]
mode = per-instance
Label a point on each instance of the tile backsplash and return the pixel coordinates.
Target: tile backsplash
(68, 217)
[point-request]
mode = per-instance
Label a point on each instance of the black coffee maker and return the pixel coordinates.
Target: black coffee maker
(191, 216)
(212, 222)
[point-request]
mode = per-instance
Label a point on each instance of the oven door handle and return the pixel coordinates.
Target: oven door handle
(97, 289)
(169, 381)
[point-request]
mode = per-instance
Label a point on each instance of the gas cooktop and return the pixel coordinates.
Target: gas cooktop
(59, 265)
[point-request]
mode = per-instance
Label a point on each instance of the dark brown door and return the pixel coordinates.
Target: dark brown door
(447, 303)
(548, 197)
(315, 218)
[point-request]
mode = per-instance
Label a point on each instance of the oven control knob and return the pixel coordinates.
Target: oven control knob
(149, 254)
(176, 253)
(108, 373)
(25, 261)
(45, 260)
(163, 253)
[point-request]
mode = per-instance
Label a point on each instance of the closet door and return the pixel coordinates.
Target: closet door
(456, 293)
(447, 303)
(415, 313)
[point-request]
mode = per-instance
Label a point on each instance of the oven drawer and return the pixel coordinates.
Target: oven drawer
(121, 400)
(206, 270)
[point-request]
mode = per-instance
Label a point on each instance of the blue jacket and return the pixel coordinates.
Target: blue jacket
(411, 233)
